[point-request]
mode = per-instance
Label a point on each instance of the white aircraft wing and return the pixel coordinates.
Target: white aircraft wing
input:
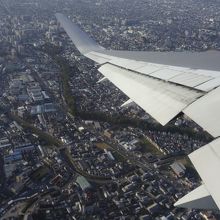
(162, 83)
(207, 162)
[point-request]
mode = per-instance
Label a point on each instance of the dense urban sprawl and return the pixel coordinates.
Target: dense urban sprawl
(68, 149)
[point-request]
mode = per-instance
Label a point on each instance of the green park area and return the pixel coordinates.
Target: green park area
(40, 173)
(149, 147)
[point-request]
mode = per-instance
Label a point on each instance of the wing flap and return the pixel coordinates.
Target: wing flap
(199, 198)
(189, 79)
(160, 99)
(209, 85)
(207, 162)
(205, 112)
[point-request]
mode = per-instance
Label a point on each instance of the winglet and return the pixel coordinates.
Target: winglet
(81, 40)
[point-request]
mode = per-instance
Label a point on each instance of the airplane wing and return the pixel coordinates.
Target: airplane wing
(163, 84)
(207, 162)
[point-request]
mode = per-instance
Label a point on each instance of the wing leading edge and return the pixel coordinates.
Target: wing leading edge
(168, 83)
